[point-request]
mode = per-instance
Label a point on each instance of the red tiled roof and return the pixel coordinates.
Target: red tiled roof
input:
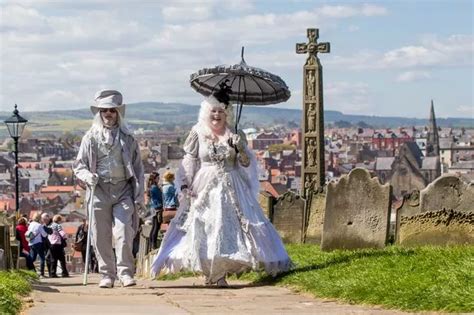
(7, 204)
(70, 229)
(62, 170)
(266, 186)
(27, 164)
(51, 196)
(57, 189)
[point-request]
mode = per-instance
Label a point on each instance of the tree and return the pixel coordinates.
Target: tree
(363, 124)
(342, 124)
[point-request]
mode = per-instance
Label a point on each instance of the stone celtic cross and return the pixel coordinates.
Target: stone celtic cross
(312, 167)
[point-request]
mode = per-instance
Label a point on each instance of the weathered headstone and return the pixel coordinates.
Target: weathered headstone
(266, 201)
(5, 245)
(357, 212)
(143, 248)
(314, 230)
(448, 192)
(288, 217)
(2, 259)
(445, 215)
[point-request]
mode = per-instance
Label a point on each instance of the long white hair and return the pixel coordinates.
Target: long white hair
(98, 130)
(204, 119)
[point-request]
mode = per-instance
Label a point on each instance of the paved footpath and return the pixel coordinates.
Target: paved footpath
(182, 296)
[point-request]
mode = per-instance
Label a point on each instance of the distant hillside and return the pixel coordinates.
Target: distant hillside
(154, 115)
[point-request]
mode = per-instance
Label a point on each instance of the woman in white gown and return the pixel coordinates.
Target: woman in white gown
(222, 229)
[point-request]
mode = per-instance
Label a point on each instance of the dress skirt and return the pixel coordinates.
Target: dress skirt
(221, 230)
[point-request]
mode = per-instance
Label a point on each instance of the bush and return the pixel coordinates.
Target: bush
(13, 285)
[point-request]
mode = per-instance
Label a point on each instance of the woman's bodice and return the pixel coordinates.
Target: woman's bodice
(220, 154)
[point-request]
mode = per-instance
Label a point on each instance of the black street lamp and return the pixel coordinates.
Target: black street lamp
(15, 125)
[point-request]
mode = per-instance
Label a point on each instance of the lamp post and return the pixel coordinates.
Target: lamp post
(15, 125)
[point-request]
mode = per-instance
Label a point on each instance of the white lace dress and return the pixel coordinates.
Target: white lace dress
(223, 229)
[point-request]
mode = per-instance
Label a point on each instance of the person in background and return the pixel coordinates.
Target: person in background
(81, 245)
(21, 228)
(170, 197)
(58, 239)
(109, 159)
(156, 207)
(47, 221)
(34, 235)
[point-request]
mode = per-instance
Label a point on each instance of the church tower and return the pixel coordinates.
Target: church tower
(432, 139)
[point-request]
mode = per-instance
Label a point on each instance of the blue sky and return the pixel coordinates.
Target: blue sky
(388, 58)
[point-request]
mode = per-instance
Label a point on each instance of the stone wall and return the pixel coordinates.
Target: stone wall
(444, 216)
(288, 217)
(357, 212)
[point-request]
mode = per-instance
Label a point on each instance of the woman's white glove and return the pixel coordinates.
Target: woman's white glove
(185, 191)
(91, 179)
(238, 142)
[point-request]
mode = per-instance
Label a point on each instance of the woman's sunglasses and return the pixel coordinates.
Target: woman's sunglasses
(104, 110)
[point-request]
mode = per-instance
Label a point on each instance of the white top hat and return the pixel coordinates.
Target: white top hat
(108, 99)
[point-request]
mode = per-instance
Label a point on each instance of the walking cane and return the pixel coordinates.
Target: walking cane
(89, 232)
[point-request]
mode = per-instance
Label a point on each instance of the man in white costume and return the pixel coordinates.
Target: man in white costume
(109, 159)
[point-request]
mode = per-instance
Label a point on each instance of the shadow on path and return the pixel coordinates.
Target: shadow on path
(208, 287)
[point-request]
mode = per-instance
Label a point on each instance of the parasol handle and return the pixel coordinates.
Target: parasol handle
(242, 55)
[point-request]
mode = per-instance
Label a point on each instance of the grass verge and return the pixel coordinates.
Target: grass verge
(13, 285)
(412, 279)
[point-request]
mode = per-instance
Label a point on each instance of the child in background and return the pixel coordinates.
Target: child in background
(57, 240)
(170, 197)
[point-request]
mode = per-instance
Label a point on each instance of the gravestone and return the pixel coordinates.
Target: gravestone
(445, 215)
(314, 230)
(266, 201)
(5, 245)
(357, 212)
(448, 192)
(2, 259)
(288, 217)
(143, 249)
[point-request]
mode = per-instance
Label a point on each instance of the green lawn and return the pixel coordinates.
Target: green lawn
(14, 285)
(423, 278)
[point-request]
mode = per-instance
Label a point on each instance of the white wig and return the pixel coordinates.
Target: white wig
(204, 120)
(98, 129)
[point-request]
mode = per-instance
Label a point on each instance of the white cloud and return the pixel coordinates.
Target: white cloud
(361, 60)
(344, 11)
(190, 13)
(465, 110)
(410, 76)
(456, 50)
(373, 10)
(348, 97)
(22, 19)
(58, 53)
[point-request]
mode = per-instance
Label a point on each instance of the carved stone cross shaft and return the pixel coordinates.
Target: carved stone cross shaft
(312, 167)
